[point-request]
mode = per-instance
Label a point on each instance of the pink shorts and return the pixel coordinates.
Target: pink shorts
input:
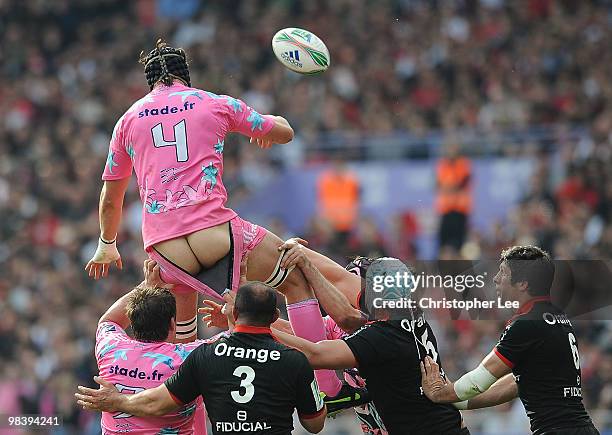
(225, 274)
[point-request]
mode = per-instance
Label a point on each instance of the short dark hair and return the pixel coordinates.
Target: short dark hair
(164, 64)
(532, 265)
(256, 304)
(150, 310)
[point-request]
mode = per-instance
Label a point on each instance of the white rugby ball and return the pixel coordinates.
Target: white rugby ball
(300, 51)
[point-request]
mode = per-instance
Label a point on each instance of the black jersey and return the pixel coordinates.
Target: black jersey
(540, 347)
(250, 383)
(388, 354)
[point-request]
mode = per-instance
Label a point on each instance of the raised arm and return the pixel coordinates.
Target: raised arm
(331, 299)
(281, 133)
(265, 130)
(116, 313)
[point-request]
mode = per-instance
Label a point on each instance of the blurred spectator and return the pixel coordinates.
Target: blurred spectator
(366, 240)
(401, 241)
(453, 197)
(338, 196)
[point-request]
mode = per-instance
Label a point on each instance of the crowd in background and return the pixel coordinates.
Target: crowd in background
(70, 69)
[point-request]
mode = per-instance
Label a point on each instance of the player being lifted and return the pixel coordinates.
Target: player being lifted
(174, 139)
(538, 347)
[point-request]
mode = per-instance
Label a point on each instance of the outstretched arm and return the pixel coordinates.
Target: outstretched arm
(326, 354)
(333, 301)
(153, 402)
(479, 380)
(502, 391)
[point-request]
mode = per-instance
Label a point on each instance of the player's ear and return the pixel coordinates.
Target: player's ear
(523, 286)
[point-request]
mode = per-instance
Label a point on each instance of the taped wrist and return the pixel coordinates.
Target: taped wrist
(106, 251)
(473, 383)
(104, 246)
(187, 328)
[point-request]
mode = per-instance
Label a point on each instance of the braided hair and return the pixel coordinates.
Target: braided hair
(165, 64)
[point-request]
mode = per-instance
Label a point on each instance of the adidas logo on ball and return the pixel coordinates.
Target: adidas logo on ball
(300, 51)
(292, 57)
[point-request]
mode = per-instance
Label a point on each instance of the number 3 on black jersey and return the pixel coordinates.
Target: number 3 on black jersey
(246, 383)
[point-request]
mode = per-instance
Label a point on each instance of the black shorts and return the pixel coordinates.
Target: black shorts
(453, 230)
(583, 430)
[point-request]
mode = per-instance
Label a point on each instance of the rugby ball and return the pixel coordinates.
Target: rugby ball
(300, 51)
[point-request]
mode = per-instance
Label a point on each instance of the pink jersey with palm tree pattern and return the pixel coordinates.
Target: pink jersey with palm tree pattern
(174, 139)
(133, 366)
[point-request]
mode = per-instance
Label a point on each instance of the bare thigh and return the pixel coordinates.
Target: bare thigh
(261, 263)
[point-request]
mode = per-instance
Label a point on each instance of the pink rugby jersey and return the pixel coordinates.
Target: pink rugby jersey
(174, 138)
(133, 366)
